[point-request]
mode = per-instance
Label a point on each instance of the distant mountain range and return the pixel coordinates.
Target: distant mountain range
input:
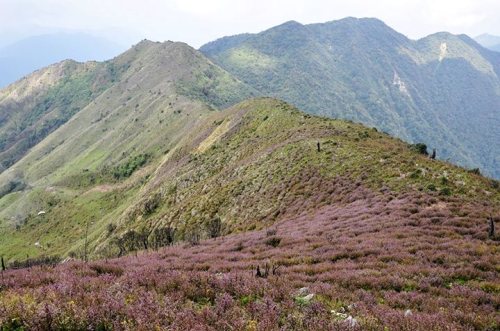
(442, 90)
(262, 216)
(24, 56)
(163, 136)
(489, 41)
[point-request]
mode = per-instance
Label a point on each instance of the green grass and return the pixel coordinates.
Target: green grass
(248, 176)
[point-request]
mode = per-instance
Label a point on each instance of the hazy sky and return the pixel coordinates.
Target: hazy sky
(198, 21)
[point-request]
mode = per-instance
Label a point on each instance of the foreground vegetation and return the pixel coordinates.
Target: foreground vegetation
(369, 261)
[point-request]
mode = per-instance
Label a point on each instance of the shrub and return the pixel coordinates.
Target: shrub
(475, 171)
(271, 232)
(110, 228)
(44, 260)
(420, 148)
(214, 227)
(163, 237)
(273, 241)
(445, 191)
(150, 204)
(128, 168)
(101, 268)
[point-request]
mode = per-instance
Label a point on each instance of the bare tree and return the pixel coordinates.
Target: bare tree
(491, 230)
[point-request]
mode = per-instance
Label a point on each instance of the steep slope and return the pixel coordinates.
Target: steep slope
(363, 227)
(35, 106)
(232, 169)
(443, 90)
(27, 55)
(143, 114)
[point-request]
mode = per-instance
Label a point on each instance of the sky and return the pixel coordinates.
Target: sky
(197, 22)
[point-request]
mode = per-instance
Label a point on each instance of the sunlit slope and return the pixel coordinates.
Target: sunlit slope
(251, 165)
(160, 96)
(443, 90)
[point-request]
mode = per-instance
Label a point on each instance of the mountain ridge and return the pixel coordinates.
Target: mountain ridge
(149, 150)
(489, 41)
(401, 88)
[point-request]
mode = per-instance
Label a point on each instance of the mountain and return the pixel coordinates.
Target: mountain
(34, 107)
(150, 152)
(442, 90)
(489, 41)
(147, 100)
(27, 55)
(275, 217)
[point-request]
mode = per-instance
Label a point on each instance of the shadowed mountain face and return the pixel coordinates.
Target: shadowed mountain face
(443, 90)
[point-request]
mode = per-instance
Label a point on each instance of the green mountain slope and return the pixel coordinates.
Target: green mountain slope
(443, 90)
(233, 166)
(35, 106)
(163, 90)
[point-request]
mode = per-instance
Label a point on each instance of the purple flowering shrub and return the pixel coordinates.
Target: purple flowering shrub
(373, 261)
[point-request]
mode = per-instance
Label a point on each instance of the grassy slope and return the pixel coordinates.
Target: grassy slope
(37, 105)
(359, 223)
(235, 165)
(364, 71)
(146, 112)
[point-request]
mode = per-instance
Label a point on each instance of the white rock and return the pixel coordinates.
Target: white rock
(41, 212)
(303, 291)
(408, 313)
(351, 321)
(308, 297)
(339, 315)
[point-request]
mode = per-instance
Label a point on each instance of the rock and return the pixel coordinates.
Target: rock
(339, 315)
(304, 300)
(308, 297)
(303, 291)
(66, 260)
(351, 321)
(41, 212)
(408, 313)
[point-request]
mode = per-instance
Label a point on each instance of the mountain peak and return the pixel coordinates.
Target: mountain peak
(288, 26)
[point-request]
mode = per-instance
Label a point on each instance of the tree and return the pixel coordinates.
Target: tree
(491, 230)
(420, 148)
(214, 227)
(163, 237)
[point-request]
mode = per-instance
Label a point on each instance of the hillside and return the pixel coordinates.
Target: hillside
(141, 115)
(35, 106)
(443, 90)
(24, 56)
(363, 228)
(233, 166)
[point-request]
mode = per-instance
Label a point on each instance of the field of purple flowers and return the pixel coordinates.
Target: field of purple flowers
(372, 261)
